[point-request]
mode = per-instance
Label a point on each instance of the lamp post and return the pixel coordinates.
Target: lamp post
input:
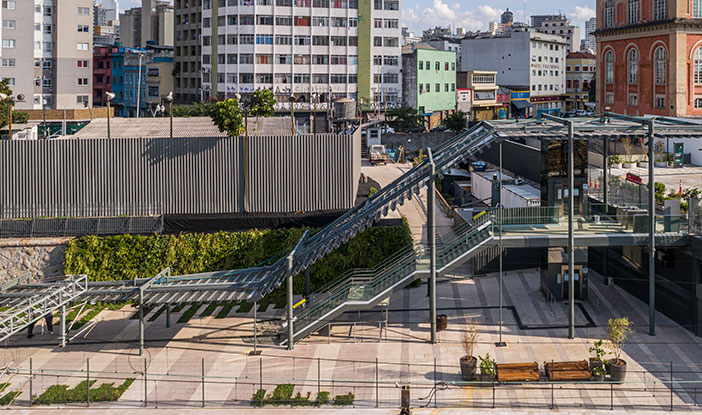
(86, 105)
(291, 99)
(169, 98)
(43, 110)
(315, 97)
(138, 106)
(110, 96)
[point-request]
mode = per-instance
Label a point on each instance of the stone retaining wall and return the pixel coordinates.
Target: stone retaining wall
(43, 257)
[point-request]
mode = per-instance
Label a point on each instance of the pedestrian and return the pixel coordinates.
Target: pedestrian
(48, 318)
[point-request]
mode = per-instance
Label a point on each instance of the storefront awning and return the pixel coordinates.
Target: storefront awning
(522, 104)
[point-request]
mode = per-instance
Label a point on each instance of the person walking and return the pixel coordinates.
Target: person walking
(49, 319)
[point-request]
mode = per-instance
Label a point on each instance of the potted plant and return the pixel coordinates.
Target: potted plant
(488, 368)
(660, 160)
(598, 373)
(618, 330)
(670, 160)
(643, 163)
(469, 361)
(629, 152)
(615, 160)
(597, 364)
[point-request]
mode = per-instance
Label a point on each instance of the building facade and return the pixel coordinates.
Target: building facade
(429, 81)
(589, 43)
(650, 57)
(526, 61)
(580, 71)
(47, 52)
(318, 50)
(450, 44)
(558, 24)
(152, 23)
(483, 87)
(159, 80)
(187, 51)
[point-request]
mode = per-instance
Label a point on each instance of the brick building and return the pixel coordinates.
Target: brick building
(649, 57)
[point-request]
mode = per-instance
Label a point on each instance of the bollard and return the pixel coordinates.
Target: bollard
(30, 381)
(260, 378)
(87, 375)
(611, 396)
(377, 390)
(671, 385)
(319, 376)
(405, 400)
(203, 382)
(435, 390)
(146, 386)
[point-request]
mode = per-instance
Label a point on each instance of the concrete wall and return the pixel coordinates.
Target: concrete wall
(520, 159)
(43, 257)
(412, 142)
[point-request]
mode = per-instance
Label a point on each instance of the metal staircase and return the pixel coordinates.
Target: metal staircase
(364, 288)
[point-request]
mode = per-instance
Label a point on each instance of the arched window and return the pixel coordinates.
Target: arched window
(609, 13)
(698, 66)
(660, 9)
(633, 64)
(659, 59)
(632, 14)
(609, 67)
(696, 8)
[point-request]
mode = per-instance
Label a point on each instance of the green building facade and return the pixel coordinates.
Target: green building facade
(429, 80)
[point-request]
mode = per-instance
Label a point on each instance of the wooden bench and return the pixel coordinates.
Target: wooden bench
(565, 371)
(518, 372)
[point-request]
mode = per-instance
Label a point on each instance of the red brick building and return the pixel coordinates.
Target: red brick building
(649, 57)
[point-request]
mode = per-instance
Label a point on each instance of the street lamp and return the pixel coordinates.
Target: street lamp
(10, 101)
(291, 99)
(86, 105)
(169, 98)
(315, 98)
(43, 110)
(110, 96)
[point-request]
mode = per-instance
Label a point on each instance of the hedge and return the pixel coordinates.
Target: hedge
(126, 257)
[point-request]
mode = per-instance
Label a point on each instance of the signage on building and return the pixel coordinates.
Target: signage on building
(464, 99)
(633, 179)
(519, 95)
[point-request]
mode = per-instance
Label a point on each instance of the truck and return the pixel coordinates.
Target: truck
(378, 154)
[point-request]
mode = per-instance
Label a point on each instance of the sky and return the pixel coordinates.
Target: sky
(473, 15)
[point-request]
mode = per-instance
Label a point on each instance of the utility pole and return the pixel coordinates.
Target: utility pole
(571, 239)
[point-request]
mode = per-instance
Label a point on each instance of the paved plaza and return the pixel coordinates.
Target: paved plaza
(344, 360)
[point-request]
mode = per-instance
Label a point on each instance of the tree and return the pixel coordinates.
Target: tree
(592, 93)
(198, 109)
(406, 117)
(456, 121)
(18, 117)
(227, 117)
(262, 104)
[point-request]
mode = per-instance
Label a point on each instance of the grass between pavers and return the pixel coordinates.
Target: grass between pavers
(245, 307)
(209, 310)
(283, 395)
(189, 313)
(9, 398)
(226, 308)
(147, 310)
(106, 392)
(157, 313)
(179, 307)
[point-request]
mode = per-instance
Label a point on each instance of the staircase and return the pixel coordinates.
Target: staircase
(364, 288)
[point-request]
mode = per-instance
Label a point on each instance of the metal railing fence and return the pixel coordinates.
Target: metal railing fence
(61, 227)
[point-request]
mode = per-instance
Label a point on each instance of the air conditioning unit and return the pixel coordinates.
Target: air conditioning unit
(610, 281)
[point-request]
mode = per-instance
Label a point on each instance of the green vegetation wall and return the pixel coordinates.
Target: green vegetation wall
(126, 257)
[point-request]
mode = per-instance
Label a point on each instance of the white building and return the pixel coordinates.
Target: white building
(524, 59)
(314, 49)
(558, 24)
(409, 37)
(450, 44)
(589, 43)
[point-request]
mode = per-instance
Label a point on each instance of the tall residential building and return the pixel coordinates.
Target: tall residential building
(409, 37)
(649, 57)
(580, 71)
(529, 62)
(589, 43)
(105, 23)
(558, 24)
(429, 81)
(187, 51)
(47, 52)
(314, 49)
(151, 23)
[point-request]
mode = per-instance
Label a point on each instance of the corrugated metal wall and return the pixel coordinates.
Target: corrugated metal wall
(133, 177)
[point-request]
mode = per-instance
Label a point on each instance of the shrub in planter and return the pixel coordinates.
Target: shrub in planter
(598, 373)
(488, 368)
(618, 330)
(615, 160)
(599, 351)
(469, 361)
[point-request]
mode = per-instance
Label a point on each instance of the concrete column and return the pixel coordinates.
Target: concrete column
(63, 326)
(431, 239)
(571, 239)
(651, 234)
(289, 287)
(141, 323)
(168, 315)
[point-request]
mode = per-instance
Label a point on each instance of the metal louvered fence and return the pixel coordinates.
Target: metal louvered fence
(62, 227)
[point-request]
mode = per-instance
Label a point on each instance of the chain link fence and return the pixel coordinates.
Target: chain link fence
(60, 227)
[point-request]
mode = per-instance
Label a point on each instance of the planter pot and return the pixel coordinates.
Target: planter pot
(468, 365)
(617, 370)
(595, 363)
(616, 165)
(628, 165)
(598, 378)
(486, 380)
(661, 164)
(643, 164)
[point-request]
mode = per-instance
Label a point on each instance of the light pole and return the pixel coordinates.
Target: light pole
(138, 106)
(43, 110)
(110, 96)
(169, 98)
(315, 97)
(291, 99)
(86, 105)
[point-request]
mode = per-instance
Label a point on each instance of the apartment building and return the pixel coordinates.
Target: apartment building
(650, 57)
(153, 22)
(580, 71)
(187, 51)
(558, 24)
(526, 61)
(589, 44)
(483, 87)
(47, 52)
(312, 49)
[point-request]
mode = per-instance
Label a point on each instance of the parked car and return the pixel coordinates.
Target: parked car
(418, 129)
(580, 113)
(569, 114)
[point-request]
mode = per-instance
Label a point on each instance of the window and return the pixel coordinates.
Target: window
(281, 59)
(632, 14)
(302, 40)
(390, 78)
(609, 67)
(283, 40)
(7, 62)
(421, 67)
(437, 87)
(453, 66)
(392, 5)
(660, 9)
(696, 8)
(660, 101)
(659, 58)
(283, 3)
(319, 40)
(264, 39)
(698, 102)
(633, 67)
(302, 20)
(320, 3)
(437, 66)
(264, 2)
(9, 43)
(82, 81)
(353, 22)
(377, 23)
(48, 46)
(83, 28)
(84, 11)
(284, 21)
(391, 61)
(266, 20)
(377, 41)
(697, 65)
(9, 24)
(453, 87)
(446, 87)
(82, 99)
(264, 59)
(633, 100)
(320, 21)
(338, 41)
(338, 59)
(391, 23)
(81, 63)
(83, 46)
(609, 13)
(246, 39)
(378, 4)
